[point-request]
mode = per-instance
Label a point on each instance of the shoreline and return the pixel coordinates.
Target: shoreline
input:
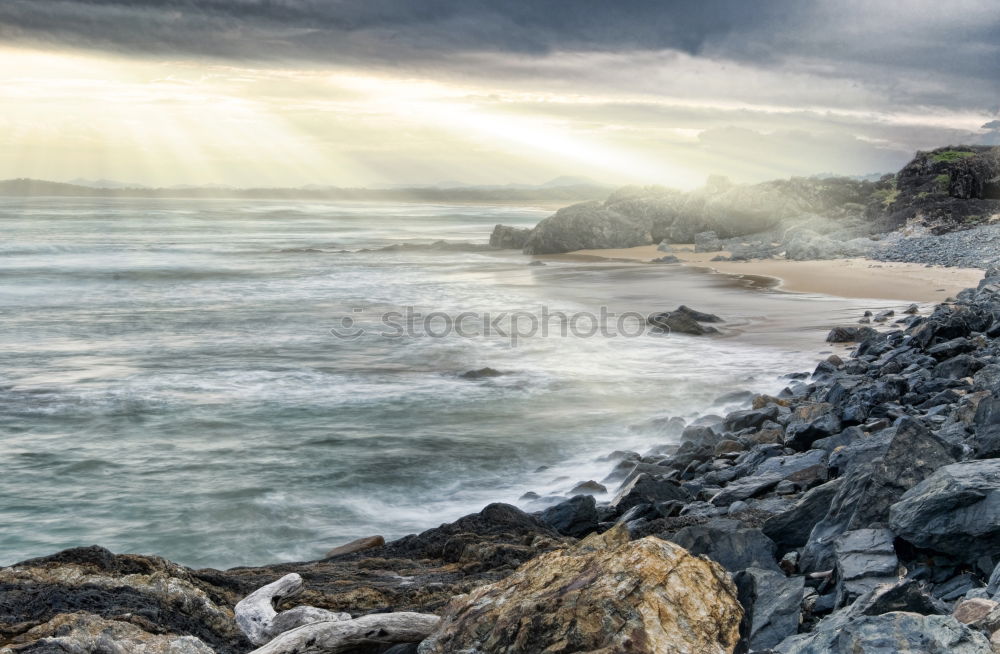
(858, 278)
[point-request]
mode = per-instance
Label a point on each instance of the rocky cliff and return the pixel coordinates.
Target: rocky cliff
(944, 190)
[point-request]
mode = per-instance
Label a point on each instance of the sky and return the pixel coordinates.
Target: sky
(385, 92)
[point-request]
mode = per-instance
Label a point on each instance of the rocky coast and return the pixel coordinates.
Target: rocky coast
(856, 510)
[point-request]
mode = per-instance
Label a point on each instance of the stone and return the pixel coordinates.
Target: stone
(958, 367)
(573, 600)
(735, 548)
(746, 488)
(790, 529)
(585, 226)
(891, 633)
(865, 559)
(590, 487)
(508, 238)
(955, 511)
(358, 545)
(645, 488)
(481, 373)
(771, 602)
(575, 517)
(700, 316)
(86, 633)
(673, 322)
(975, 612)
(749, 418)
(849, 334)
(986, 424)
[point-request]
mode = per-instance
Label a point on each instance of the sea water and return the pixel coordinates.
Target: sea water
(224, 382)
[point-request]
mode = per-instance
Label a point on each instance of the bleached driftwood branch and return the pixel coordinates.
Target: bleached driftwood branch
(256, 617)
(340, 636)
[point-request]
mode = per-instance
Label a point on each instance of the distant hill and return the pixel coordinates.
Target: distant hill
(548, 193)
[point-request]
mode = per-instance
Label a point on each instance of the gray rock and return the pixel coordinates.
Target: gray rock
(575, 517)
(587, 225)
(679, 323)
(987, 428)
(865, 559)
(891, 633)
(790, 529)
(955, 511)
(772, 603)
(849, 334)
(734, 548)
(509, 238)
(645, 488)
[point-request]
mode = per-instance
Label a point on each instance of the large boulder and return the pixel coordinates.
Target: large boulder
(86, 633)
(575, 517)
(509, 238)
(604, 595)
(955, 511)
(733, 547)
(772, 603)
(587, 226)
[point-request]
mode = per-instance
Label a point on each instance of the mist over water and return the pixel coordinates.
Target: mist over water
(171, 385)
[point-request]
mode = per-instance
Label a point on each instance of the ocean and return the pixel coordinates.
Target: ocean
(236, 382)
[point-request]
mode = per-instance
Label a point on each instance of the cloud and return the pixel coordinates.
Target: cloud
(993, 124)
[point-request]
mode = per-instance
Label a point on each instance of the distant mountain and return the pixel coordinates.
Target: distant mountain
(103, 183)
(545, 194)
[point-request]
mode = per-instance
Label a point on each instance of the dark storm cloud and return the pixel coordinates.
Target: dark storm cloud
(915, 51)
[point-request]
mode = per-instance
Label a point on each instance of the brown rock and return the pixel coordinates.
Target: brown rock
(358, 545)
(971, 611)
(86, 632)
(727, 446)
(603, 596)
(765, 436)
(761, 401)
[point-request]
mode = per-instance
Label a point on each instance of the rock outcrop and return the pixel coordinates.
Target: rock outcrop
(606, 594)
(584, 226)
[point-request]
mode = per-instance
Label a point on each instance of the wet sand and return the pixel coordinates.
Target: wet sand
(850, 278)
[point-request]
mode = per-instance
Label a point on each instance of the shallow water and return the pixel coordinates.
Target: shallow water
(171, 385)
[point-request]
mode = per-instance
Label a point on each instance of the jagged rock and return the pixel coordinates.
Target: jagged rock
(955, 511)
(891, 633)
(865, 559)
(987, 428)
(749, 418)
(869, 488)
(86, 633)
(575, 517)
(590, 487)
(358, 545)
(699, 316)
(164, 597)
(509, 238)
(645, 488)
(726, 543)
(790, 529)
(849, 334)
(772, 603)
(675, 322)
(585, 226)
(571, 600)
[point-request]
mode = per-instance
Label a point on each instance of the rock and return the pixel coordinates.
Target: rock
(585, 226)
(589, 488)
(481, 373)
(679, 323)
(849, 334)
(975, 612)
(86, 633)
(987, 428)
(509, 238)
(958, 367)
(912, 309)
(891, 633)
(726, 543)
(669, 258)
(955, 511)
(163, 597)
(745, 488)
(772, 603)
(707, 242)
(358, 545)
(865, 559)
(572, 600)
(575, 517)
(749, 418)
(645, 488)
(699, 316)
(882, 316)
(790, 529)
(869, 488)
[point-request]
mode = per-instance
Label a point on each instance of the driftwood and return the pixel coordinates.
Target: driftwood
(256, 617)
(341, 636)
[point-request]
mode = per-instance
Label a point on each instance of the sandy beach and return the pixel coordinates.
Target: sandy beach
(851, 278)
